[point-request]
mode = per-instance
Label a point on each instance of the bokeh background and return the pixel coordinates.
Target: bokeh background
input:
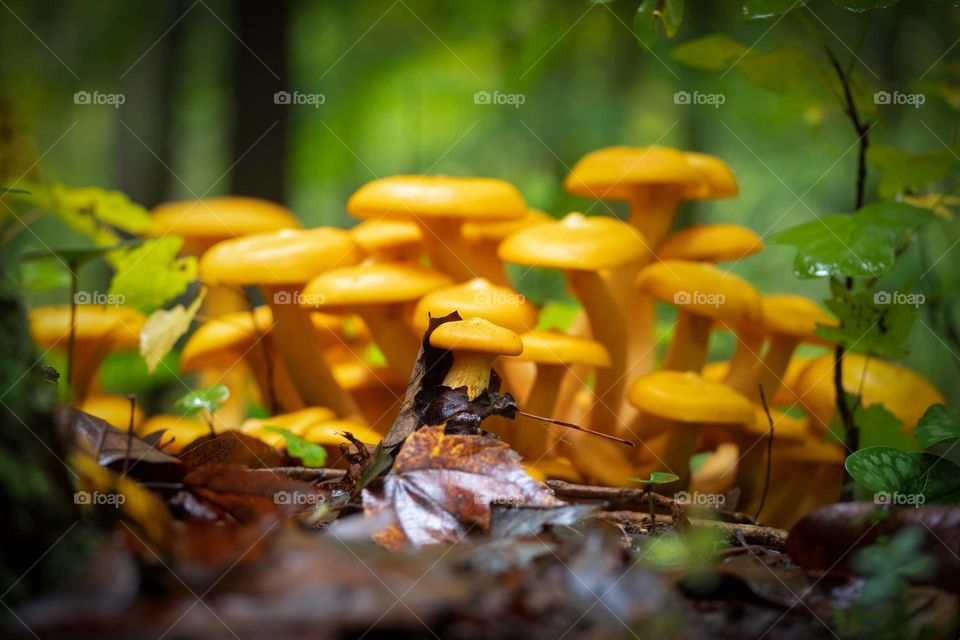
(398, 80)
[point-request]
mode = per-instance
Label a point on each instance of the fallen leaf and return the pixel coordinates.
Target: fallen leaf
(230, 447)
(441, 487)
(163, 328)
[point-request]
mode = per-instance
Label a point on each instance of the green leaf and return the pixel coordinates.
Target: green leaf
(209, 399)
(658, 477)
(870, 321)
(859, 6)
(151, 275)
(889, 471)
(76, 257)
(42, 275)
(938, 424)
(311, 454)
(715, 52)
(163, 328)
(672, 17)
(765, 9)
(652, 14)
(880, 428)
(902, 171)
(858, 245)
(785, 69)
(9, 191)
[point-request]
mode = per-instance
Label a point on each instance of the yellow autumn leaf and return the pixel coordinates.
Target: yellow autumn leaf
(163, 328)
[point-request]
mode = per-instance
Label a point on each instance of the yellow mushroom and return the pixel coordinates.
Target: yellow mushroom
(475, 344)
(389, 240)
(114, 409)
(710, 243)
(483, 239)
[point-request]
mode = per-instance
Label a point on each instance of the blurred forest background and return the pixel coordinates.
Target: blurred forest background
(398, 80)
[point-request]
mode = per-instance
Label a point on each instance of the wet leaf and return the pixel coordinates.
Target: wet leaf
(652, 15)
(859, 6)
(152, 275)
(658, 477)
(868, 323)
(888, 471)
(938, 424)
(765, 9)
(880, 428)
(441, 487)
(230, 447)
(163, 328)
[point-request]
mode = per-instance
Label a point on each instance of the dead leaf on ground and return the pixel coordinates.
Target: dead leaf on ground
(231, 447)
(441, 487)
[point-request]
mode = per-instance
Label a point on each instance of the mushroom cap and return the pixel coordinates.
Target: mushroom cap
(233, 333)
(901, 390)
(476, 335)
(684, 396)
(710, 243)
(355, 375)
(784, 395)
(329, 433)
(785, 427)
(702, 289)
(181, 429)
(221, 218)
(576, 242)
(556, 347)
(613, 173)
(718, 181)
(296, 422)
(113, 409)
(120, 325)
(373, 283)
(378, 235)
(289, 256)
(499, 229)
(793, 315)
(478, 298)
(437, 197)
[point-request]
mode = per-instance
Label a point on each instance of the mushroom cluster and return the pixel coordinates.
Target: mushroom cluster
(335, 319)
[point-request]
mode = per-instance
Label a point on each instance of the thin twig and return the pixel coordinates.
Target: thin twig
(766, 480)
(126, 459)
(576, 427)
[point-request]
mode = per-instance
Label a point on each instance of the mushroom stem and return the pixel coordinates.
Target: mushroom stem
(86, 360)
(287, 398)
(652, 211)
(303, 356)
(691, 337)
(470, 370)
(481, 256)
(441, 239)
(671, 449)
(608, 327)
(390, 332)
(535, 440)
(746, 355)
(768, 373)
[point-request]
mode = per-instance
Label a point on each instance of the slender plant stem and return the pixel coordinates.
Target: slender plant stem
(74, 285)
(766, 480)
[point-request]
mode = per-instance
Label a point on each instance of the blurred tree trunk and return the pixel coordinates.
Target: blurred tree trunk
(259, 138)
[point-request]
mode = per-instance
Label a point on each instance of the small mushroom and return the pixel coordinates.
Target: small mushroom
(475, 344)
(553, 352)
(710, 243)
(389, 240)
(675, 405)
(702, 294)
(379, 292)
(584, 247)
(440, 205)
(281, 263)
(97, 332)
(901, 390)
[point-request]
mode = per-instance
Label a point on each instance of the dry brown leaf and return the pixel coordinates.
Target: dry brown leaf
(441, 487)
